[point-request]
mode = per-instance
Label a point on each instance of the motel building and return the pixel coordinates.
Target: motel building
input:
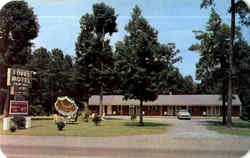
(165, 105)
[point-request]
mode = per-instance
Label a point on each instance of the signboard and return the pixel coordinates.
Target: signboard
(18, 107)
(19, 97)
(66, 106)
(20, 79)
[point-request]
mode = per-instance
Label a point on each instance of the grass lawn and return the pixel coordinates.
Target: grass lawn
(241, 128)
(106, 128)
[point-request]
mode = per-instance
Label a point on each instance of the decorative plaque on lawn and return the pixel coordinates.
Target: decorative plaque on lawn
(66, 106)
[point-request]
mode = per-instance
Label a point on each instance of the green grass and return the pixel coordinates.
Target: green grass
(106, 128)
(240, 128)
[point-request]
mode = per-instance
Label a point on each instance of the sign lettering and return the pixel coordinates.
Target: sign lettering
(19, 107)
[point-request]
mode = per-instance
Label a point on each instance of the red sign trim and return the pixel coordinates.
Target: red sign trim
(18, 107)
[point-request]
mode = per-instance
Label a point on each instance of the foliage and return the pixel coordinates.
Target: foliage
(243, 12)
(13, 128)
(133, 117)
(60, 125)
(39, 63)
(213, 63)
(86, 114)
(20, 26)
(189, 86)
(213, 66)
(55, 117)
(94, 55)
(55, 76)
(236, 7)
(170, 78)
(96, 119)
(142, 61)
(242, 77)
(241, 9)
(19, 121)
(37, 110)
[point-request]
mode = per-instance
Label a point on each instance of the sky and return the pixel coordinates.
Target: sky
(174, 19)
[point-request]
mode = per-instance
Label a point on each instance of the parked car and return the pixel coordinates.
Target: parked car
(184, 114)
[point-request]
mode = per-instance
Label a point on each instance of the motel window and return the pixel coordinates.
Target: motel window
(150, 108)
(157, 108)
(153, 108)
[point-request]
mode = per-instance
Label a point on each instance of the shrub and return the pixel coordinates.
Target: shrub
(19, 121)
(85, 115)
(55, 117)
(13, 128)
(60, 125)
(133, 117)
(97, 119)
(37, 110)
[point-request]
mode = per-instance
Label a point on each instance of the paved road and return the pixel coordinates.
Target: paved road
(63, 152)
(189, 139)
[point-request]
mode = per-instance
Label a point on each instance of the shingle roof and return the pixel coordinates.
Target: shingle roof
(165, 100)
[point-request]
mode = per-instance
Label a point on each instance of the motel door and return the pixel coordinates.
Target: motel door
(132, 110)
(170, 110)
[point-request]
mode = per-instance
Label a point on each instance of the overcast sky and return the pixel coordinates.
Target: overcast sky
(174, 19)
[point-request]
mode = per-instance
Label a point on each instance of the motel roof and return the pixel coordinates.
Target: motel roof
(166, 100)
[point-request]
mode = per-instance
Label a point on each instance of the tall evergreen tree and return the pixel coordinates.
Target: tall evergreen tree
(140, 60)
(169, 77)
(242, 76)
(236, 7)
(93, 51)
(213, 66)
(39, 63)
(54, 77)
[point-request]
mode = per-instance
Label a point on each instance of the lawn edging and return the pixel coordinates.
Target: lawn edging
(240, 127)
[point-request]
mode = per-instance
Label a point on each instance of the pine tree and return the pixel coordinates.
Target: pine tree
(94, 54)
(139, 61)
(213, 66)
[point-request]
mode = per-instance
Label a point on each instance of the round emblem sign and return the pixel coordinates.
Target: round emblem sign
(66, 106)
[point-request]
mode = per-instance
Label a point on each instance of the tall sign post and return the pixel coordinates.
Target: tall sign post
(19, 81)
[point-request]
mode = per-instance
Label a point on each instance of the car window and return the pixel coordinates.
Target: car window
(183, 110)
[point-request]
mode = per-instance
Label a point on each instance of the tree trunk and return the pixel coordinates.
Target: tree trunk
(3, 97)
(4, 41)
(4, 89)
(231, 52)
(224, 112)
(224, 107)
(101, 101)
(102, 67)
(140, 114)
(6, 104)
